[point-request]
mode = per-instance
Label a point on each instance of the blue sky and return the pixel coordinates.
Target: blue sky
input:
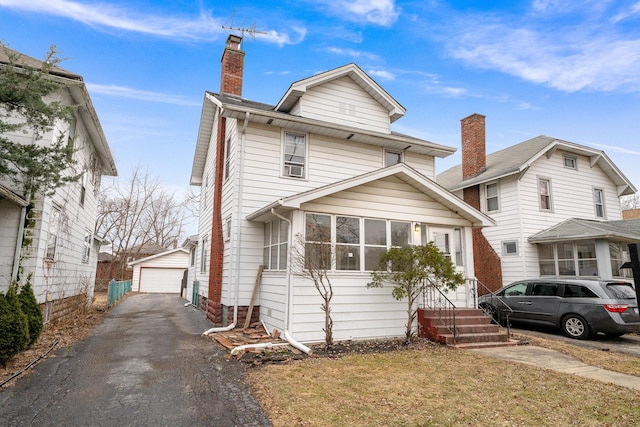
(565, 69)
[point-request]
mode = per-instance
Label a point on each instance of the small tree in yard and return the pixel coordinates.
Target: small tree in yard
(411, 269)
(312, 259)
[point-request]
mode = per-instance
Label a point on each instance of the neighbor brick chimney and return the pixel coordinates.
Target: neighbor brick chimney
(232, 67)
(474, 154)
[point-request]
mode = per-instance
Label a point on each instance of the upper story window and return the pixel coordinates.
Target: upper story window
(54, 229)
(491, 194)
(598, 200)
(71, 137)
(392, 157)
(570, 162)
(544, 194)
(83, 186)
(295, 155)
(227, 158)
(204, 259)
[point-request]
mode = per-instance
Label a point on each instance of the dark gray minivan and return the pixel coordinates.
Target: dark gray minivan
(580, 308)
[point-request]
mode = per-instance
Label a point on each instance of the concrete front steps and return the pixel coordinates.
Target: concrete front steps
(474, 329)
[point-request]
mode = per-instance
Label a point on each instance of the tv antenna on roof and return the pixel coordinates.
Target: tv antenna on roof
(251, 30)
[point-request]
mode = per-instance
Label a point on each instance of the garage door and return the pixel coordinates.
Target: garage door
(163, 280)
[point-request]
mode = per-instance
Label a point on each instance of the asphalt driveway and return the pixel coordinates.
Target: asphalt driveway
(146, 365)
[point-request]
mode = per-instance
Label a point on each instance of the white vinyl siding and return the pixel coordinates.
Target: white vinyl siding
(343, 102)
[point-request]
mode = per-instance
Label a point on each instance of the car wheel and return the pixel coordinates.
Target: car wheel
(575, 326)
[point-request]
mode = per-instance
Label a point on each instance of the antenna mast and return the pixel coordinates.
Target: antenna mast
(251, 31)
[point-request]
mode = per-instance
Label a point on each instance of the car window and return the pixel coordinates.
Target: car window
(620, 291)
(578, 291)
(544, 289)
(516, 290)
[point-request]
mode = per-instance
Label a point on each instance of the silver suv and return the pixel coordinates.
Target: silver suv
(580, 308)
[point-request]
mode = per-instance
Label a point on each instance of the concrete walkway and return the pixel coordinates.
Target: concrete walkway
(557, 361)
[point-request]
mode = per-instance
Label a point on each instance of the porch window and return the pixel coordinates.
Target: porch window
(54, 227)
(544, 194)
(276, 238)
(491, 193)
(347, 243)
(568, 259)
(598, 201)
(375, 242)
(457, 242)
(619, 254)
(400, 233)
(317, 247)
(295, 154)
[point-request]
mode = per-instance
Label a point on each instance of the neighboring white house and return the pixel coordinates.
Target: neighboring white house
(61, 257)
(556, 205)
(324, 158)
(160, 273)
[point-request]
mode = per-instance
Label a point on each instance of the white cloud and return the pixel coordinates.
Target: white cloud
(577, 58)
(125, 92)
(379, 12)
(202, 27)
(354, 53)
(632, 11)
(382, 74)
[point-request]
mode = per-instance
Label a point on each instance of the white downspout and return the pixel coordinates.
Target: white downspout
(239, 180)
(287, 314)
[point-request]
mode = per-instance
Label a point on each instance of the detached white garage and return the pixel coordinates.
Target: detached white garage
(160, 273)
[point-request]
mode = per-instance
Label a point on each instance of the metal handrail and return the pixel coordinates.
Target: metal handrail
(494, 315)
(434, 299)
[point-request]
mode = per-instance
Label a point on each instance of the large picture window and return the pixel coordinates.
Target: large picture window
(346, 243)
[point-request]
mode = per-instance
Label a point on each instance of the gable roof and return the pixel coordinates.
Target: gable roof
(362, 79)
(517, 159)
(162, 254)
(401, 171)
(256, 112)
(580, 229)
(84, 107)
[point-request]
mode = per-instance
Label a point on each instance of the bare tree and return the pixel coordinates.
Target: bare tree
(312, 259)
(630, 202)
(135, 213)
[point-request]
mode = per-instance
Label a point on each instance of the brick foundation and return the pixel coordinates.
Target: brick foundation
(217, 312)
(65, 309)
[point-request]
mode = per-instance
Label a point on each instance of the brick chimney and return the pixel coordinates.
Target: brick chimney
(232, 67)
(473, 146)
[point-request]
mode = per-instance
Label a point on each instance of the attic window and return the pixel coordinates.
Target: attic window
(570, 162)
(392, 157)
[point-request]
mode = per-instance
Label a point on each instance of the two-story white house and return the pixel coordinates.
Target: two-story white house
(59, 251)
(556, 205)
(322, 159)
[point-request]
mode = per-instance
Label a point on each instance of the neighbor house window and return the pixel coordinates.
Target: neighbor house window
(71, 137)
(276, 238)
(619, 254)
(204, 254)
(54, 229)
(544, 193)
(510, 248)
(491, 194)
(570, 162)
(86, 250)
(227, 158)
(392, 157)
(568, 259)
(598, 200)
(295, 152)
(83, 186)
(192, 259)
